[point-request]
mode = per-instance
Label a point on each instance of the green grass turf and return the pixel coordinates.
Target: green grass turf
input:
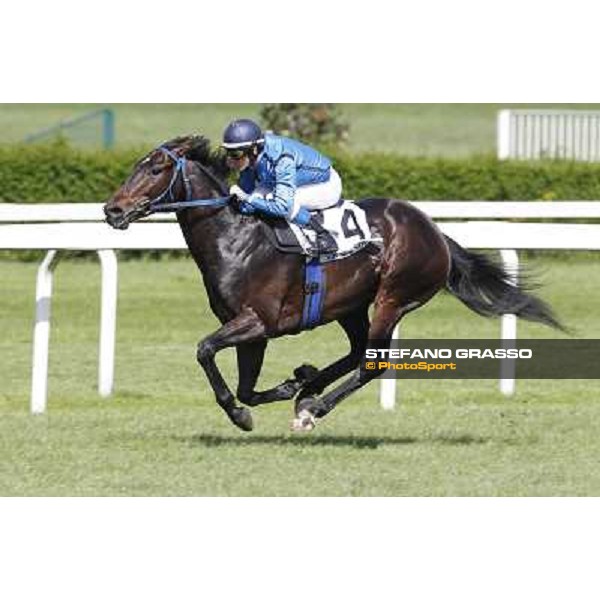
(162, 434)
(414, 129)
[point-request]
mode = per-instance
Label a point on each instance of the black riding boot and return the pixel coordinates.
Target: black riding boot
(325, 243)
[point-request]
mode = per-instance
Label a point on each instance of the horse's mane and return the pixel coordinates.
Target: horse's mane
(199, 150)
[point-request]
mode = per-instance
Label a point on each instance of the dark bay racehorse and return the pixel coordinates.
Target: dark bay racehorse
(257, 292)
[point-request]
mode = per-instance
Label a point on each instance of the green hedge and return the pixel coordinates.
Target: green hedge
(58, 173)
(474, 178)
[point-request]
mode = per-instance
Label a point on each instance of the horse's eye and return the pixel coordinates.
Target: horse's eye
(156, 170)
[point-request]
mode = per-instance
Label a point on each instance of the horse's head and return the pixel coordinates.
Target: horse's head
(164, 176)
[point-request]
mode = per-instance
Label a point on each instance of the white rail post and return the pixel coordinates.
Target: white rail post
(387, 387)
(108, 322)
(509, 326)
(41, 334)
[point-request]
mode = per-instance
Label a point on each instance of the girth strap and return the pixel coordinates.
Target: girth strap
(314, 293)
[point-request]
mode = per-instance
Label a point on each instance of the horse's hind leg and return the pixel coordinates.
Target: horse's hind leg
(356, 327)
(307, 380)
(250, 359)
(386, 315)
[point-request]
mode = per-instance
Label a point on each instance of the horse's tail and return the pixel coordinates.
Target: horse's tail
(485, 287)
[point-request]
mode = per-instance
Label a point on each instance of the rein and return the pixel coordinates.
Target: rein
(156, 205)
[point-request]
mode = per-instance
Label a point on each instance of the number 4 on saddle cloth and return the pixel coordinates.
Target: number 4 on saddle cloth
(347, 225)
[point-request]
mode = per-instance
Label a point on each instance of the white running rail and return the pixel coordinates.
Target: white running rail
(60, 227)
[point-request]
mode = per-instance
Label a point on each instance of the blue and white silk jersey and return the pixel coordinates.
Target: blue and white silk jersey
(282, 166)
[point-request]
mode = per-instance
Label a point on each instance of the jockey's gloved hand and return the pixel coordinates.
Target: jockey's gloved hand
(238, 192)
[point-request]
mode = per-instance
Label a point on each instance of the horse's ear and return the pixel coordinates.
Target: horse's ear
(184, 145)
(187, 144)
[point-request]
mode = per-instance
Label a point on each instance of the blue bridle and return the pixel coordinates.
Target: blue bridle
(156, 205)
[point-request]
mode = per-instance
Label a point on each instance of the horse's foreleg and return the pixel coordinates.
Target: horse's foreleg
(246, 327)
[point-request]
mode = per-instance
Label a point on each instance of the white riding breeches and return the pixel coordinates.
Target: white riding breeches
(318, 195)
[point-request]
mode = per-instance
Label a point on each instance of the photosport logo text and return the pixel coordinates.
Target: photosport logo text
(483, 359)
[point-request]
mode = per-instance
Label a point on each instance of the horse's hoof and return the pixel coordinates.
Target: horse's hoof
(303, 422)
(242, 417)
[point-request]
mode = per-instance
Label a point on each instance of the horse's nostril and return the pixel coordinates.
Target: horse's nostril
(113, 211)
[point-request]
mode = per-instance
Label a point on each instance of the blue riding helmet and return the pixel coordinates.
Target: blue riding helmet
(242, 133)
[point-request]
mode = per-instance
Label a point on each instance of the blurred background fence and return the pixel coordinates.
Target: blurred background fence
(93, 128)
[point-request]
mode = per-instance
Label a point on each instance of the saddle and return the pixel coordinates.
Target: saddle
(346, 224)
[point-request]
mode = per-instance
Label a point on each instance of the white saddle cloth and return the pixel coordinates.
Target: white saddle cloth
(346, 223)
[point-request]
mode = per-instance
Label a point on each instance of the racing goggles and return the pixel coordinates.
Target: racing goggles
(236, 153)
